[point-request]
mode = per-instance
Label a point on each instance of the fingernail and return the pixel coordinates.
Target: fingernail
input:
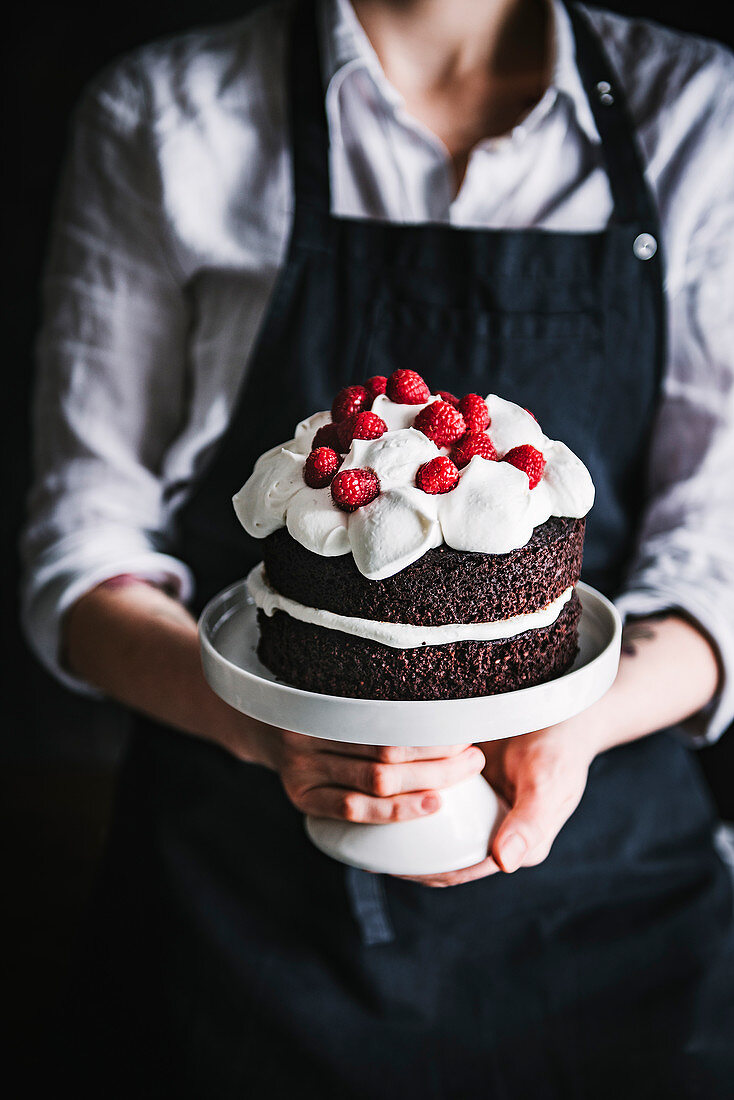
(511, 852)
(430, 803)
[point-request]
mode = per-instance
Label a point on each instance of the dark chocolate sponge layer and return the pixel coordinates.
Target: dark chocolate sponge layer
(334, 663)
(444, 586)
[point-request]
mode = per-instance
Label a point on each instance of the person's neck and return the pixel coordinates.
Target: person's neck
(426, 45)
(466, 69)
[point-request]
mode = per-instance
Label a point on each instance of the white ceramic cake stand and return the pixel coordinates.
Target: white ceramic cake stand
(458, 834)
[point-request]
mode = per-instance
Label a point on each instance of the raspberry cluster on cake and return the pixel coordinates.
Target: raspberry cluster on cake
(417, 546)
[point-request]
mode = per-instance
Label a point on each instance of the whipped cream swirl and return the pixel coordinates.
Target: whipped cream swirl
(492, 510)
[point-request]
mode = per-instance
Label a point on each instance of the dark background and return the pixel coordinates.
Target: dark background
(59, 752)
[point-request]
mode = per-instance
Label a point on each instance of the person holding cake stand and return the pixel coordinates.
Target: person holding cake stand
(223, 213)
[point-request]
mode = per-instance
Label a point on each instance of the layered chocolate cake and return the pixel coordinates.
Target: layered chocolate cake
(417, 546)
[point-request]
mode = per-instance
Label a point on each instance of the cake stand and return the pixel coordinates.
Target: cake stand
(458, 834)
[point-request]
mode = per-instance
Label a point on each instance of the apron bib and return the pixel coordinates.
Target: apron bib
(229, 956)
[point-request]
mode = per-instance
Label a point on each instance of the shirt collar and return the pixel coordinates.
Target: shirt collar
(346, 47)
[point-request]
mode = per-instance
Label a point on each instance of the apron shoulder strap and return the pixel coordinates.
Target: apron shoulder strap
(307, 112)
(633, 200)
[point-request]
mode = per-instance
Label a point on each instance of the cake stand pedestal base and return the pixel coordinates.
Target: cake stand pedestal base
(457, 835)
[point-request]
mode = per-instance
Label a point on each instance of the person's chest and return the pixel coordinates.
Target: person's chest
(228, 195)
(227, 181)
(386, 163)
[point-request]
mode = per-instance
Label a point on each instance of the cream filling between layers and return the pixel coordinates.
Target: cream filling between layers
(401, 635)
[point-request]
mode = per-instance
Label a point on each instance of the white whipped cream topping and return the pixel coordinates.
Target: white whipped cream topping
(510, 425)
(263, 501)
(311, 521)
(402, 527)
(395, 457)
(398, 416)
(401, 635)
(306, 430)
(492, 510)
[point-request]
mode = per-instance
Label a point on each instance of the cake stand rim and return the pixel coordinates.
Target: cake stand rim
(226, 604)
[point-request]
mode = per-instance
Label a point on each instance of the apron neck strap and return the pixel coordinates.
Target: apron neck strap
(632, 198)
(633, 201)
(307, 109)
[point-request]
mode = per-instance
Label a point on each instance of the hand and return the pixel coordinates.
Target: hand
(365, 783)
(542, 777)
(140, 646)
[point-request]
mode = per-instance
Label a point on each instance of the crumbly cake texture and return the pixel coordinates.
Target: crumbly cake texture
(417, 510)
(444, 586)
(334, 663)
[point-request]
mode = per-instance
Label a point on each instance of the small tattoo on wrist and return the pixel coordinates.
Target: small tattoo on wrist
(636, 631)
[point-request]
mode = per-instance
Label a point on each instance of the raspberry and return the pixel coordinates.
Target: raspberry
(446, 396)
(474, 410)
(351, 489)
(363, 425)
(437, 476)
(471, 444)
(406, 387)
(377, 384)
(441, 422)
(327, 436)
(529, 460)
(320, 467)
(350, 400)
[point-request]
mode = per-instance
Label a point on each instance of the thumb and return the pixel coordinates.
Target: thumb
(528, 826)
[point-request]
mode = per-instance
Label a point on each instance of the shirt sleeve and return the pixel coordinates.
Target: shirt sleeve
(685, 556)
(110, 388)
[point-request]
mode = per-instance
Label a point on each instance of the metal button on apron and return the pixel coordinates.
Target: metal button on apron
(645, 246)
(604, 91)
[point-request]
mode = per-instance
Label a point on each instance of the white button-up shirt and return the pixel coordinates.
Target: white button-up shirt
(172, 223)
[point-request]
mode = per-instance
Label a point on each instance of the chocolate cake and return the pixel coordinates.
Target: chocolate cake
(416, 546)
